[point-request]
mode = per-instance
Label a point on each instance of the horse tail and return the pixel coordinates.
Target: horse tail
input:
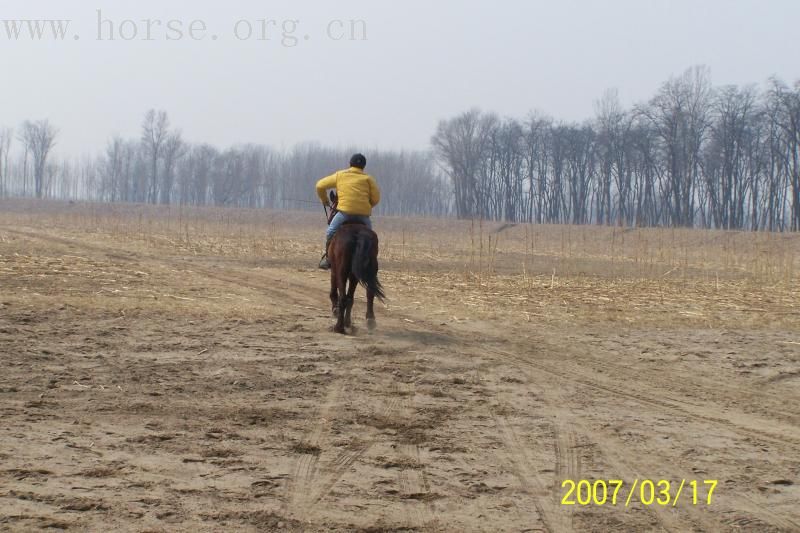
(365, 264)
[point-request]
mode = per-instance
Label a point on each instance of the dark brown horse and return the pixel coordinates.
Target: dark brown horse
(353, 254)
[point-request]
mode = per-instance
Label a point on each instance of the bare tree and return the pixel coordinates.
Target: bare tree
(461, 144)
(789, 99)
(155, 131)
(613, 150)
(580, 161)
(113, 170)
(194, 175)
(173, 150)
(778, 157)
(39, 139)
(6, 134)
(731, 165)
(680, 115)
(538, 140)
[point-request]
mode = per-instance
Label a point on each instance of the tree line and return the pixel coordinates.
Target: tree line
(160, 167)
(693, 155)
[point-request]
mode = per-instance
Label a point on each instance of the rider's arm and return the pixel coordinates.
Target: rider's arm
(323, 185)
(374, 192)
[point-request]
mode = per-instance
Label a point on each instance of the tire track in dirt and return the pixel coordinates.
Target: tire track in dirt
(629, 467)
(412, 478)
(332, 471)
(759, 429)
(312, 478)
(673, 406)
(568, 462)
(249, 276)
(301, 481)
(245, 279)
(752, 505)
(627, 470)
(414, 484)
(529, 480)
(568, 430)
(567, 434)
(767, 401)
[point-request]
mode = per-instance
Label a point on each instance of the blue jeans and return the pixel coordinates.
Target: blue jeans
(340, 219)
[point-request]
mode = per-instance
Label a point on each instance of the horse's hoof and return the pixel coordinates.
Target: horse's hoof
(371, 324)
(337, 329)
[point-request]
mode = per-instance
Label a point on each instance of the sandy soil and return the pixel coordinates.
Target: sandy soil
(148, 387)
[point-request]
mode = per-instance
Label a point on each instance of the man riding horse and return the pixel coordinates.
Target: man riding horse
(358, 193)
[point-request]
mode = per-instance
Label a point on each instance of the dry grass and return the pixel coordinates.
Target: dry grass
(540, 272)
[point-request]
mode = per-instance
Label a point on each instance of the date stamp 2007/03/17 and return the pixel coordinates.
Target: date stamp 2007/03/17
(645, 491)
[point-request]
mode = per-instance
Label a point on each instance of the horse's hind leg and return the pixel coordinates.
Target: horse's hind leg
(351, 291)
(334, 295)
(370, 313)
(341, 282)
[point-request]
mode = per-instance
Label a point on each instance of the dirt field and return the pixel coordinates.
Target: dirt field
(174, 370)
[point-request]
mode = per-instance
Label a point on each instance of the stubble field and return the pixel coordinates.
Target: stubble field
(170, 369)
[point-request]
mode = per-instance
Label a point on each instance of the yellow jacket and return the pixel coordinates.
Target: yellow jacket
(358, 191)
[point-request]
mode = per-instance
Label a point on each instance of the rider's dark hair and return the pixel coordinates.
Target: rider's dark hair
(358, 161)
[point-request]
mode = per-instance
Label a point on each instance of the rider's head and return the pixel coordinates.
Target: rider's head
(358, 161)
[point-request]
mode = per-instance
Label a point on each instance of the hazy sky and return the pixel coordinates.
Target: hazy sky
(420, 62)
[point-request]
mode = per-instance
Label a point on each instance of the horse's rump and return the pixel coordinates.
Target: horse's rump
(353, 253)
(356, 242)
